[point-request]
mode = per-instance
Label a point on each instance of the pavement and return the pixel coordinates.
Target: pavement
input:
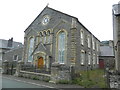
(41, 83)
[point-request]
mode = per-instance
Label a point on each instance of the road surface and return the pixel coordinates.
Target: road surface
(16, 83)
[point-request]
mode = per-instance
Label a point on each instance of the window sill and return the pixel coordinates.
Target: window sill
(82, 64)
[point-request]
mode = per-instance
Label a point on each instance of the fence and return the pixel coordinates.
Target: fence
(32, 68)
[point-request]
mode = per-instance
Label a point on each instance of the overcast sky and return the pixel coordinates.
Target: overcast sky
(17, 15)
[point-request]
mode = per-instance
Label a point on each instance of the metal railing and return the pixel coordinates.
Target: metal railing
(32, 68)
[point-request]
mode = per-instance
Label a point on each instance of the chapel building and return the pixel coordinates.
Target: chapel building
(55, 38)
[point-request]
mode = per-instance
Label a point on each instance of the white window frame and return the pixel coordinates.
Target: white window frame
(89, 42)
(97, 46)
(61, 57)
(30, 48)
(14, 58)
(93, 43)
(89, 58)
(97, 59)
(82, 36)
(82, 57)
(94, 59)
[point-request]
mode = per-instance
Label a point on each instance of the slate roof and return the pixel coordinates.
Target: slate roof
(106, 49)
(4, 44)
(61, 13)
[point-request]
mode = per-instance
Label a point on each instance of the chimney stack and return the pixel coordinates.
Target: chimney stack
(10, 42)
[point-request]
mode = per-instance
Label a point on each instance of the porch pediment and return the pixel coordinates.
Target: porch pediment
(41, 48)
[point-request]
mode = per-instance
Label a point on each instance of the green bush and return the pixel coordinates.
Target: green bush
(64, 82)
(35, 78)
(46, 80)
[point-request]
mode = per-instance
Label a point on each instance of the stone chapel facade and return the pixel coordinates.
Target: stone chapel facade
(55, 38)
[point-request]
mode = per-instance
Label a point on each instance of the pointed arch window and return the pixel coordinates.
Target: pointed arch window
(41, 37)
(30, 50)
(61, 47)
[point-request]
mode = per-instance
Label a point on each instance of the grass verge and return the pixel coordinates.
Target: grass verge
(92, 78)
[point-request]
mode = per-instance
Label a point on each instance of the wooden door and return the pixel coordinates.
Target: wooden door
(40, 62)
(101, 64)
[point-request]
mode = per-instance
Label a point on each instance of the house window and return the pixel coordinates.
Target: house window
(97, 59)
(93, 43)
(48, 36)
(97, 46)
(30, 50)
(41, 37)
(61, 47)
(82, 37)
(88, 39)
(89, 58)
(15, 57)
(82, 57)
(48, 32)
(41, 34)
(94, 59)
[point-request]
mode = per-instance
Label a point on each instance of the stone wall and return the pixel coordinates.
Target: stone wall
(61, 72)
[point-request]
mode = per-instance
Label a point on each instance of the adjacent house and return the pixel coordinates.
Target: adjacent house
(13, 54)
(106, 58)
(6, 45)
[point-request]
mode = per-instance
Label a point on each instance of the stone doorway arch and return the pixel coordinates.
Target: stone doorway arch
(40, 62)
(40, 59)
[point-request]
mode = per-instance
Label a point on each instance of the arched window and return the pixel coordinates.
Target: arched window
(44, 38)
(30, 50)
(48, 36)
(41, 37)
(88, 40)
(82, 37)
(61, 47)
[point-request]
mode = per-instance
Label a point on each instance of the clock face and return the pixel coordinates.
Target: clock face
(45, 20)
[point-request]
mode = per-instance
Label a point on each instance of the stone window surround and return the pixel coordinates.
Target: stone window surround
(93, 43)
(82, 36)
(97, 59)
(82, 57)
(15, 57)
(45, 34)
(97, 46)
(29, 47)
(89, 41)
(45, 19)
(62, 30)
(89, 58)
(94, 59)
